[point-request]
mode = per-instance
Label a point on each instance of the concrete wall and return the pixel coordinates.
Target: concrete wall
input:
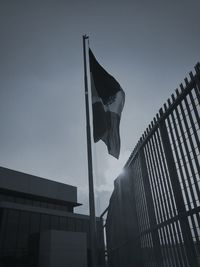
(33, 185)
(62, 249)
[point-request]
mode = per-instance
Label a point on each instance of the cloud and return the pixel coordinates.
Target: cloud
(104, 186)
(115, 167)
(83, 198)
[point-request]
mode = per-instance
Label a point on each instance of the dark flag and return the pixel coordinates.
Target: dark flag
(107, 104)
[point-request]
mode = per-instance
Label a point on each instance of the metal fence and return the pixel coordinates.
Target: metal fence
(165, 183)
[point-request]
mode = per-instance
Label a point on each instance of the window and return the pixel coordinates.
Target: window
(63, 223)
(45, 222)
(23, 230)
(55, 224)
(34, 223)
(3, 227)
(10, 238)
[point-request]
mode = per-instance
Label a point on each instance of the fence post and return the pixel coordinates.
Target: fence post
(197, 81)
(151, 211)
(182, 216)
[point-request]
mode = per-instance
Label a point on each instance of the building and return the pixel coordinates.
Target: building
(38, 226)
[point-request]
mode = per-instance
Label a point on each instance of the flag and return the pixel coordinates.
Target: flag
(107, 104)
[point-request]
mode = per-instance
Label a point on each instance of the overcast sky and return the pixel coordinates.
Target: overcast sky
(148, 46)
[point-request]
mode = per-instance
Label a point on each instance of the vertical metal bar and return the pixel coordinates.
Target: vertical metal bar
(168, 245)
(167, 180)
(166, 192)
(148, 164)
(170, 197)
(197, 87)
(190, 158)
(196, 192)
(159, 179)
(185, 188)
(187, 150)
(163, 174)
(172, 134)
(144, 197)
(192, 124)
(164, 252)
(159, 203)
(165, 247)
(154, 182)
(142, 200)
(197, 118)
(93, 234)
(190, 250)
(135, 211)
(163, 202)
(151, 212)
(184, 160)
(178, 235)
(181, 253)
(138, 196)
(143, 218)
(156, 207)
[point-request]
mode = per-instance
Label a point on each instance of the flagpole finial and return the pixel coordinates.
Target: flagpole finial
(85, 36)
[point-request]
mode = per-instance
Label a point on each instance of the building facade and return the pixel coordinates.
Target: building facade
(31, 206)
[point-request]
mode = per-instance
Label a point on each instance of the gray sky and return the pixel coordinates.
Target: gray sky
(148, 46)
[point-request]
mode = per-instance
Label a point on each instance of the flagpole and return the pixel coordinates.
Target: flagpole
(93, 233)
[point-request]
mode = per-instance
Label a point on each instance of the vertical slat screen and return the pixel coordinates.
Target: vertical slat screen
(165, 167)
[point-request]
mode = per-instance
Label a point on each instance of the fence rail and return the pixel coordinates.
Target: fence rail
(164, 177)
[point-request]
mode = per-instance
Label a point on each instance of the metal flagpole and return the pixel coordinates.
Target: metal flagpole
(93, 233)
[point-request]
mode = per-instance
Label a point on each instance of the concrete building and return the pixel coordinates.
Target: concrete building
(38, 226)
